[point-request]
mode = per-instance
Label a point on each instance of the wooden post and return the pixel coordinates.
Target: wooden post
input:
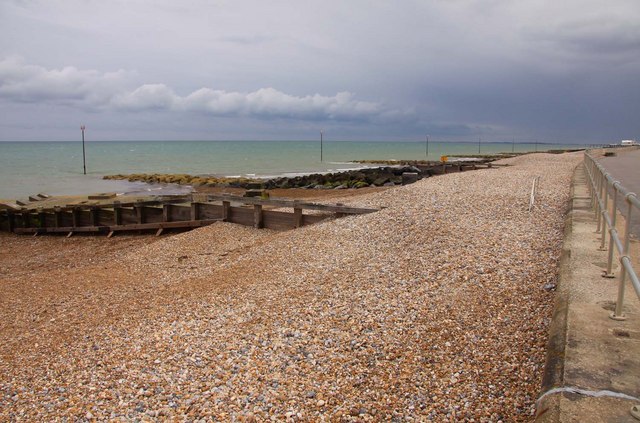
(257, 216)
(166, 212)
(11, 221)
(139, 213)
(226, 211)
(194, 211)
(75, 217)
(57, 217)
(94, 216)
(297, 217)
(43, 218)
(117, 214)
(25, 219)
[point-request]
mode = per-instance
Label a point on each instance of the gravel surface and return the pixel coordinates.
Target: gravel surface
(431, 309)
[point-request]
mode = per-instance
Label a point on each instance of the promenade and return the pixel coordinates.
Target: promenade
(593, 364)
(625, 167)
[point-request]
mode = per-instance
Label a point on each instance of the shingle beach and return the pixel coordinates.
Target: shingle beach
(433, 308)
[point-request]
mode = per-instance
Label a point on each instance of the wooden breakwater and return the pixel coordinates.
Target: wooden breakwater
(160, 215)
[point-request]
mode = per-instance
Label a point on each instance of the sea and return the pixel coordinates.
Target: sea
(56, 167)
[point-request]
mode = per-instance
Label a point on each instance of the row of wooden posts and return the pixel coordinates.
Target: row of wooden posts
(162, 215)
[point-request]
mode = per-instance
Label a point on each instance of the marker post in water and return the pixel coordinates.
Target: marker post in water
(321, 134)
(84, 164)
(427, 147)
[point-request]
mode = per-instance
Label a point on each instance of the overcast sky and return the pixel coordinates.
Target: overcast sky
(564, 71)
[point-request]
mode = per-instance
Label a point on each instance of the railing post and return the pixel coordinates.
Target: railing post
(604, 212)
(598, 209)
(618, 314)
(614, 201)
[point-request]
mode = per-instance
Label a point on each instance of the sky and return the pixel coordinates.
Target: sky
(500, 70)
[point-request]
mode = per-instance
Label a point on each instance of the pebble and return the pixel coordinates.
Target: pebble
(430, 309)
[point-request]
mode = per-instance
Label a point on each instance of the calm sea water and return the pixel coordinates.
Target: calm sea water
(55, 168)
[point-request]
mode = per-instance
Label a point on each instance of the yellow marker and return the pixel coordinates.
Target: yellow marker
(444, 159)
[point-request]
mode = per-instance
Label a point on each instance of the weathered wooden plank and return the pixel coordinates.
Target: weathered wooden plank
(152, 214)
(84, 218)
(179, 213)
(276, 220)
(42, 217)
(310, 219)
(129, 216)
(172, 200)
(50, 219)
(114, 228)
(25, 219)
(11, 222)
(94, 216)
(70, 230)
(210, 211)
(241, 216)
(105, 217)
(66, 218)
(290, 203)
(164, 225)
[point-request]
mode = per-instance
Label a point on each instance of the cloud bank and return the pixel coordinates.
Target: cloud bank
(28, 83)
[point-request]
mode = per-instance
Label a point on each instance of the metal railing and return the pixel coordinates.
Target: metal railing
(605, 192)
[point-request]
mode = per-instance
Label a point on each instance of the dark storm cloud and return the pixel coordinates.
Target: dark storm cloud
(367, 69)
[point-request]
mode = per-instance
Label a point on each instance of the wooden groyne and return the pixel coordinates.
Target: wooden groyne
(160, 215)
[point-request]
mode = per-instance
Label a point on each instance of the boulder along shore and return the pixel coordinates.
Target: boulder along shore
(433, 308)
(389, 175)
